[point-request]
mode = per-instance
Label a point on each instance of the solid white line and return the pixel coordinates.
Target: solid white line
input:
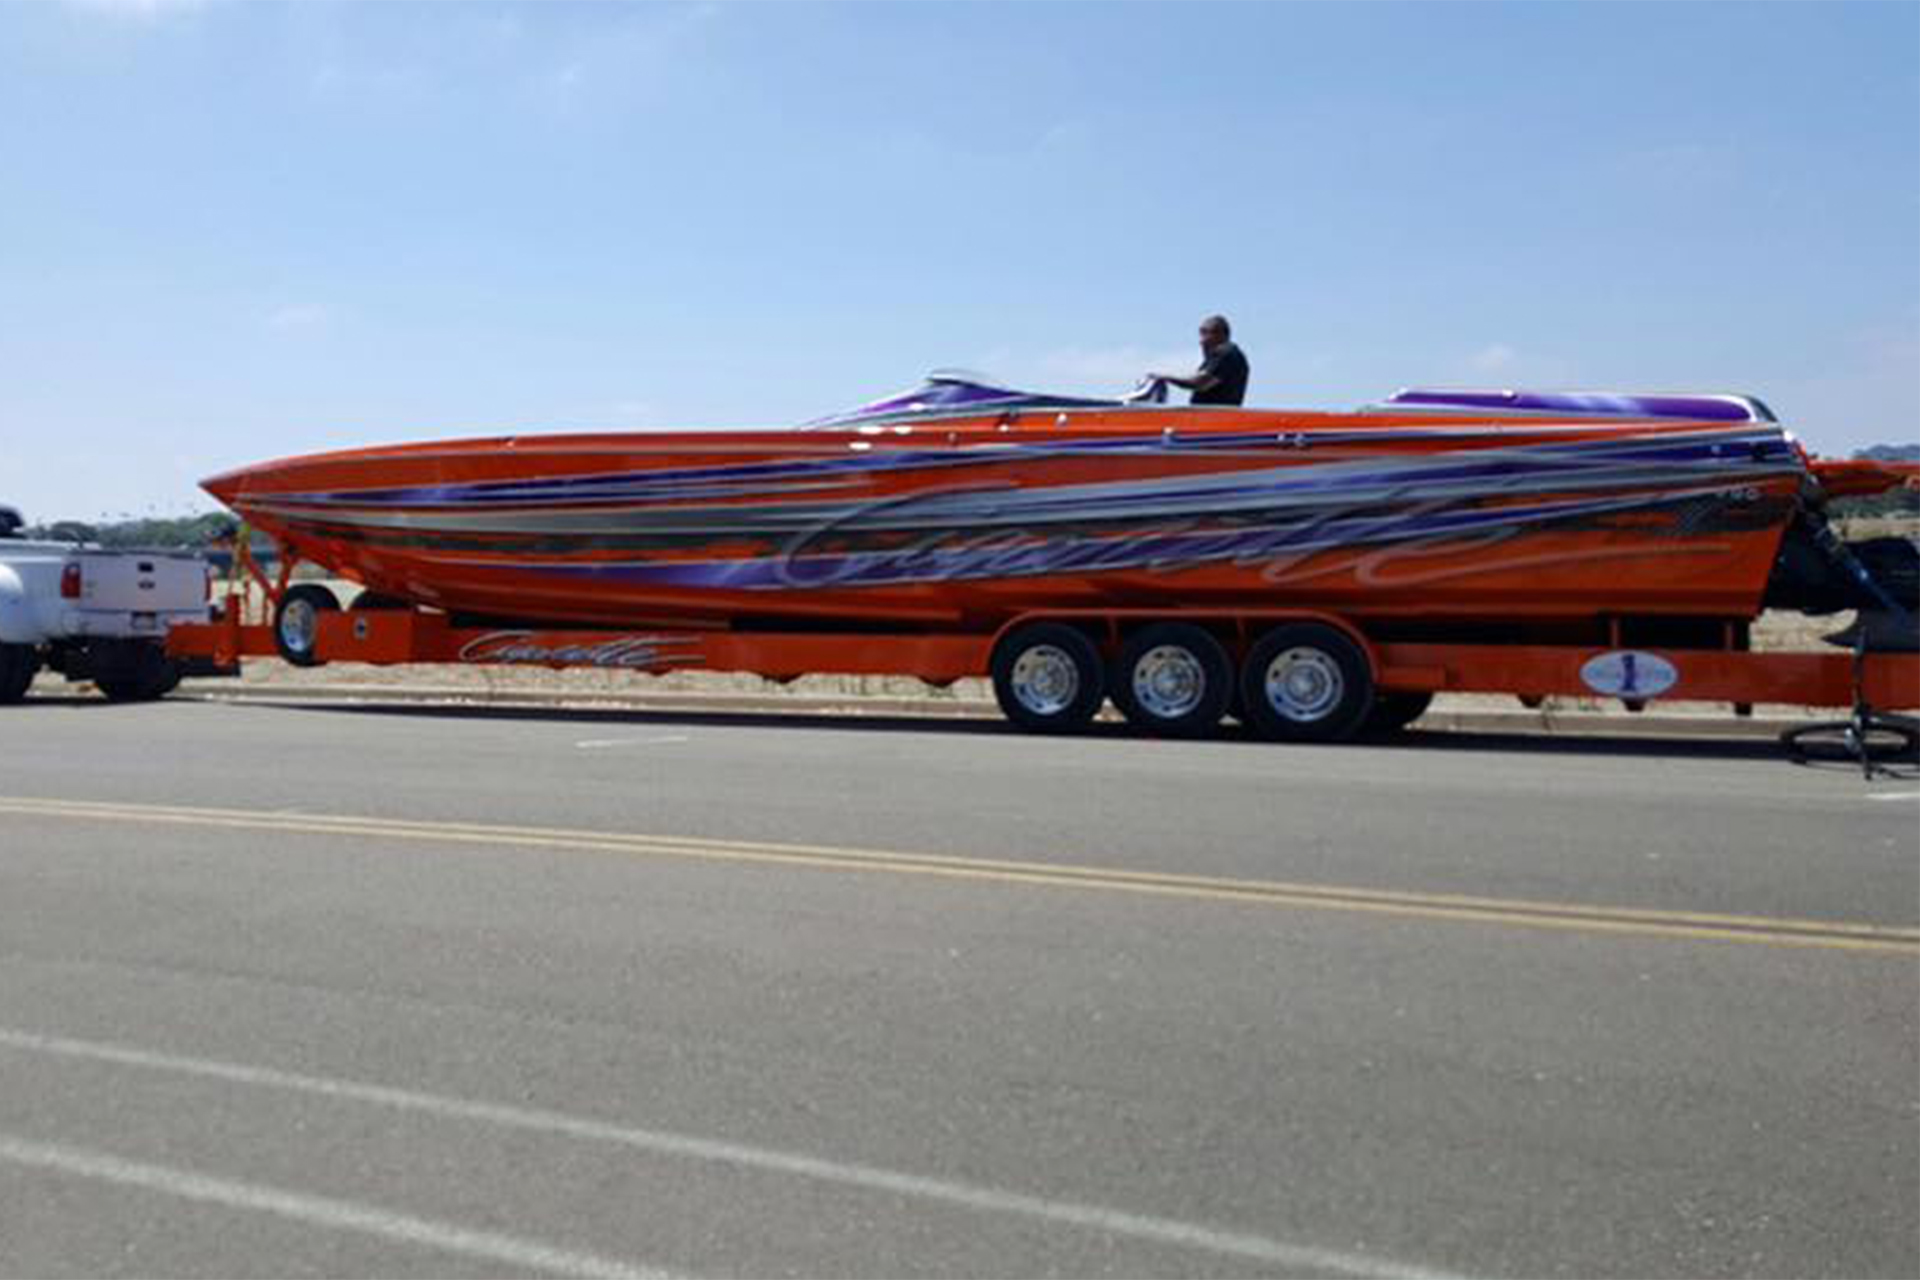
(1156, 1230)
(1895, 795)
(588, 744)
(320, 1211)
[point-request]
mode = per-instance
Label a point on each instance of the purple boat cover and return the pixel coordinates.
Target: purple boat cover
(945, 392)
(1699, 408)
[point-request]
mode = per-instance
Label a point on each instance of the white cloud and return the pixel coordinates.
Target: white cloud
(1689, 166)
(1493, 357)
(1506, 364)
(1099, 370)
(564, 71)
(1865, 392)
(1096, 371)
(608, 63)
(500, 30)
(299, 316)
(361, 80)
(1064, 135)
(142, 9)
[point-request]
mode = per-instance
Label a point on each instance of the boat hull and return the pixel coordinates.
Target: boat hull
(970, 520)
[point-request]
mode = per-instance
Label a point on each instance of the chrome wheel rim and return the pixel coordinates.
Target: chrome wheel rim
(1045, 680)
(298, 621)
(1305, 685)
(1169, 681)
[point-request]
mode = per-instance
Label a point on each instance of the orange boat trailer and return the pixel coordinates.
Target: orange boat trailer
(1393, 680)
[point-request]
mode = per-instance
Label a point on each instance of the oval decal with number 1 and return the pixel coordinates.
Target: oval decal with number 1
(1629, 673)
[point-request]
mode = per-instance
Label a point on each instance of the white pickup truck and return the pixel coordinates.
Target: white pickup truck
(93, 614)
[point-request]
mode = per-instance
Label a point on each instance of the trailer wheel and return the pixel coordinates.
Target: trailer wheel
(19, 663)
(1393, 712)
(1173, 679)
(296, 623)
(1307, 682)
(1047, 678)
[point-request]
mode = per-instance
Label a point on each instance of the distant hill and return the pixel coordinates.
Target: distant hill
(183, 533)
(1889, 453)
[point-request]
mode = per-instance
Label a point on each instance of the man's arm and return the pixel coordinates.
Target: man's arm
(1204, 379)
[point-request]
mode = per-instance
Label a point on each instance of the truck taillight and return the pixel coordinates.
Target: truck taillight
(70, 581)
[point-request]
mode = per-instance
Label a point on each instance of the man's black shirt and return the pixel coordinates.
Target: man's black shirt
(1226, 363)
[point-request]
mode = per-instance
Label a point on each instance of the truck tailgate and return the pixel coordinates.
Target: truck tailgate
(138, 582)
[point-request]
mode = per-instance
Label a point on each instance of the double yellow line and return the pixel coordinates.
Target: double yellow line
(1766, 930)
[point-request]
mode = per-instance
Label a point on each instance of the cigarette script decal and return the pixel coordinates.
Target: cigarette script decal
(629, 652)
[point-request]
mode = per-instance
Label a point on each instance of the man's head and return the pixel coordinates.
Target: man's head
(1214, 330)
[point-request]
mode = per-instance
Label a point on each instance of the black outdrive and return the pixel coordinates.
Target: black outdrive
(1818, 572)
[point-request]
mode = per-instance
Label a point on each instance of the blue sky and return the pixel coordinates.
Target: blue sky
(233, 231)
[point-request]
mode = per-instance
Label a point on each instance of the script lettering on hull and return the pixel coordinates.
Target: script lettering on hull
(624, 652)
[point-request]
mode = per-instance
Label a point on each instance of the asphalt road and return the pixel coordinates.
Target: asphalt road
(333, 991)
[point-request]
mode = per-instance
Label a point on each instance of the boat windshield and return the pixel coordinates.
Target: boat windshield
(950, 391)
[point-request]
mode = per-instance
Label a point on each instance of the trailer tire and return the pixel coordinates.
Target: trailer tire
(1172, 679)
(19, 663)
(1307, 682)
(1393, 712)
(1048, 678)
(296, 622)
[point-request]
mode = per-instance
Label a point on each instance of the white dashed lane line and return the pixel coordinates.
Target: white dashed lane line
(1243, 1247)
(513, 1252)
(594, 744)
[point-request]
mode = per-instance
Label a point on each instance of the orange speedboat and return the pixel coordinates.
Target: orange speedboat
(961, 504)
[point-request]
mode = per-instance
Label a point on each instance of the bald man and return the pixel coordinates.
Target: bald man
(1222, 375)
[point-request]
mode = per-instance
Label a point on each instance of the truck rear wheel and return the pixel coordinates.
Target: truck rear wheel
(145, 687)
(1047, 678)
(296, 622)
(1174, 679)
(1307, 682)
(19, 663)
